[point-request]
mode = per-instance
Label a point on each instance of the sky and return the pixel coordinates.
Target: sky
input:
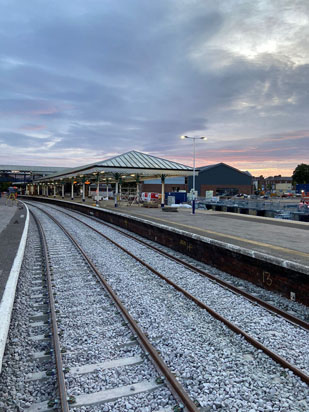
(82, 81)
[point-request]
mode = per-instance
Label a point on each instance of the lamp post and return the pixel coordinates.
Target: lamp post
(194, 139)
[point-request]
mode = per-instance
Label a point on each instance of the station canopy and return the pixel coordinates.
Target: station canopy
(128, 166)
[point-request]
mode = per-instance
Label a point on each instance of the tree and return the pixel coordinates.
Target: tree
(301, 174)
(4, 186)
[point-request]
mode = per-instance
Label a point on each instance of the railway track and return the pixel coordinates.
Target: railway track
(302, 372)
(124, 352)
(239, 290)
(29, 341)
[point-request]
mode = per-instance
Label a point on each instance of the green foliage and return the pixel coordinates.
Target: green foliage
(4, 186)
(301, 174)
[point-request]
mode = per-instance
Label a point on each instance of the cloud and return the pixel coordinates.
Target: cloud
(107, 77)
(32, 127)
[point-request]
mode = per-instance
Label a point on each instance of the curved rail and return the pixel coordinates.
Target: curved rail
(175, 387)
(56, 343)
(202, 305)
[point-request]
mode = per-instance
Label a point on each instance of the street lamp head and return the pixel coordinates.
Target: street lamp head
(194, 138)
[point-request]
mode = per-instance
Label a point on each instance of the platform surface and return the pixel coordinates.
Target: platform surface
(288, 240)
(284, 239)
(12, 220)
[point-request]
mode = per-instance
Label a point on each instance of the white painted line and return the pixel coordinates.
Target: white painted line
(116, 363)
(7, 301)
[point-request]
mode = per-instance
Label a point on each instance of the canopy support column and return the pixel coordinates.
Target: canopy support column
(117, 177)
(120, 185)
(84, 189)
(98, 191)
(162, 190)
(137, 188)
(116, 194)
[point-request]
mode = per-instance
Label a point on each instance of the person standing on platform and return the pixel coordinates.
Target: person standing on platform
(12, 195)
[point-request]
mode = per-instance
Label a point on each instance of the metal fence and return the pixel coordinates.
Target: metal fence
(275, 206)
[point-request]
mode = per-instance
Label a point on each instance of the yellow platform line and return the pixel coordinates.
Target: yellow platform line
(253, 242)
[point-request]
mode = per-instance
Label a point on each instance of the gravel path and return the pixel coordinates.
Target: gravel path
(217, 367)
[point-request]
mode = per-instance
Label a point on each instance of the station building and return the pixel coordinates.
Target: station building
(11, 174)
(18, 173)
(130, 172)
(125, 174)
(222, 179)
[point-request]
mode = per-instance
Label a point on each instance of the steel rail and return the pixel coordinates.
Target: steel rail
(283, 362)
(271, 308)
(268, 306)
(175, 387)
(56, 343)
(223, 283)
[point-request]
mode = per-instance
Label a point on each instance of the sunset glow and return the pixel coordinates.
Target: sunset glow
(74, 90)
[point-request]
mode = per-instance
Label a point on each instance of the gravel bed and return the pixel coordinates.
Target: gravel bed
(16, 392)
(217, 367)
(110, 378)
(90, 356)
(297, 309)
(93, 329)
(281, 336)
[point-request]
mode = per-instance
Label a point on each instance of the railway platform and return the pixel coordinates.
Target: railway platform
(270, 253)
(287, 240)
(12, 220)
(283, 239)
(13, 236)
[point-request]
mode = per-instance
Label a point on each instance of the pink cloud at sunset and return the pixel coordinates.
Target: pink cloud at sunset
(200, 69)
